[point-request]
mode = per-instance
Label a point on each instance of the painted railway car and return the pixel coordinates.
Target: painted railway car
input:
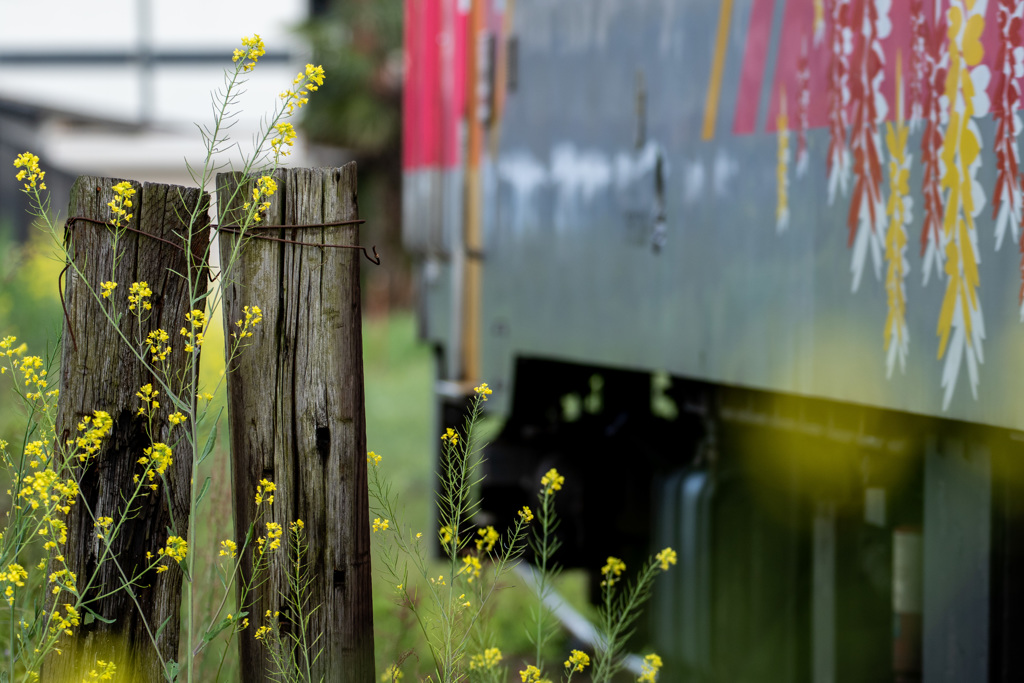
(748, 272)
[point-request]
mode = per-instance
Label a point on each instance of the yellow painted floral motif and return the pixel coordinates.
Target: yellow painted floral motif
(819, 21)
(782, 177)
(961, 328)
(899, 212)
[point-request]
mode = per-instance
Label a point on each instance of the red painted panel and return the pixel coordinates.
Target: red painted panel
(434, 94)
(754, 57)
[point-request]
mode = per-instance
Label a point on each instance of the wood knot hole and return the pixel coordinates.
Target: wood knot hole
(323, 442)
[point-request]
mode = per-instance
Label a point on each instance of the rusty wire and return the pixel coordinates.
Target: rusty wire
(70, 221)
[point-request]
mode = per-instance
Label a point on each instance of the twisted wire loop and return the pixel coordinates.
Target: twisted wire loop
(234, 230)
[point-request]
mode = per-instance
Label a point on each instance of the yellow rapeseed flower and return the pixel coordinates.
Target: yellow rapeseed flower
(303, 84)
(531, 674)
(138, 293)
(489, 536)
(489, 659)
(253, 317)
(265, 492)
(228, 548)
(612, 570)
(526, 513)
(252, 49)
(666, 557)
(577, 661)
(380, 525)
(649, 669)
(176, 549)
(108, 288)
(274, 533)
(105, 671)
(471, 567)
(483, 391)
(373, 458)
(552, 481)
(120, 204)
(285, 138)
(30, 171)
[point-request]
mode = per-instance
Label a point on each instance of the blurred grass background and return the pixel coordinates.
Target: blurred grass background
(399, 424)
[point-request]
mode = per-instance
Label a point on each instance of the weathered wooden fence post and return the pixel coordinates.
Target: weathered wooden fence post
(296, 411)
(99, 373)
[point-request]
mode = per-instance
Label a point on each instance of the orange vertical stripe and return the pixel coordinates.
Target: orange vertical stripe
(717, 65)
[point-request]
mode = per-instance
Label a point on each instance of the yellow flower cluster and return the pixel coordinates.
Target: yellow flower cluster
(483, 391)
(380, 525)
(228, 548)
(30, 171)
(59, 622)
(445, 535)
(552, 481)
(303, 84)
(450, 436)
(393, 674)
(104, 524)
(193, 333)
(373, 458)
(285, 138)
(526, 513)
(34, 376)
(14, 575)
(612, 570)
(88, 444)
(297, 527)
(108, 288)
(488, 537)
(531, 674)
(471, 567)
(176, 549)
(253, 49)
(137, 295)
(120, 204)
(148, 395)
(63, 579)
(265, 491)
(239, 625)
(44, 489)
(489, 659)
(649, 669)
(577, 661)
(274, 533)
(265, 188)
(177, 418)
(665, 558)
(105, 671)
(158, 346)
(253, 317)
(157, 459)
(262, 632)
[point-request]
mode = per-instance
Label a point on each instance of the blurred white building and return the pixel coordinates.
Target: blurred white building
(116, 87)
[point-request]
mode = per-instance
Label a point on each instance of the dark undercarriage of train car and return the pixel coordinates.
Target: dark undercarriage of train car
(817, 541)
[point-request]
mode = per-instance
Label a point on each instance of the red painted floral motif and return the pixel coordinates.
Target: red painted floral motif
(841, 43)
(919, 82)
(869, 110)
(804, 106)
(936, 66)
(1006, 200)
